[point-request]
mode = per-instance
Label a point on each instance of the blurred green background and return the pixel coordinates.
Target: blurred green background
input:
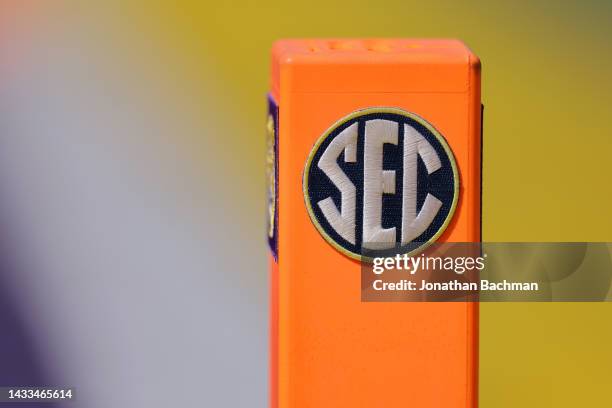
(547, 129)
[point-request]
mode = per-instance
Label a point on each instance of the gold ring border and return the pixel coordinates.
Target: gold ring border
(356, 114)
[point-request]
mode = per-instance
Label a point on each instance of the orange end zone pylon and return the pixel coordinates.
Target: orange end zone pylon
(370, 141)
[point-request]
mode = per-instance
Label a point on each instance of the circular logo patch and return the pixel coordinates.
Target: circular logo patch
(381, 181)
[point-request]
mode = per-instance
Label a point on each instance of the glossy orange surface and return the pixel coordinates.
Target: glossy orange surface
(328, 349)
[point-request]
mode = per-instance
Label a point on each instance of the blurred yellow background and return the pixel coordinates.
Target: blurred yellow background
(201, 68)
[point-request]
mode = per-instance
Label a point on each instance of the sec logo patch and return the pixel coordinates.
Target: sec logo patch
(381, 181)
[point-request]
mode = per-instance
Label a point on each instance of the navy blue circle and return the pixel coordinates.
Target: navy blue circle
(440, 184)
